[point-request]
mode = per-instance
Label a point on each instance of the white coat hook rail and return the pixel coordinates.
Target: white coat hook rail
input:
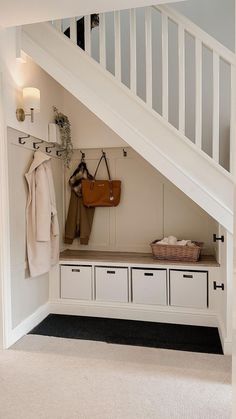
(36, 143)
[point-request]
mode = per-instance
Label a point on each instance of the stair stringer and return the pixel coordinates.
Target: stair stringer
(162, 145)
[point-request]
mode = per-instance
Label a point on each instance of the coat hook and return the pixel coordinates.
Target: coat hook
(48, 147)
(59, 152)
(82, 155)
(36, 147)
(124, 153)
(22, 138)
(103, 153)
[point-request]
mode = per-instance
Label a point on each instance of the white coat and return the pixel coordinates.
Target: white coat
(42, 229)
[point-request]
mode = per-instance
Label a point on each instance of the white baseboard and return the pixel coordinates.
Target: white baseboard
(28, 324)
(95, 309)
(225, 342)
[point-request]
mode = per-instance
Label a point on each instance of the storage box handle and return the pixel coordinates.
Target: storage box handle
(75, 270)
(148, 274)
(187, 276)
(111, 272)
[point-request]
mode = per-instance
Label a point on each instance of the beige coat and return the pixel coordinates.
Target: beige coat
(42, 229)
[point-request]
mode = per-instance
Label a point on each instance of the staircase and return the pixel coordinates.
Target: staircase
(138, 117)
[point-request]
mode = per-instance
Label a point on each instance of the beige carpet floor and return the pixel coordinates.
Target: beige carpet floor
(53, 378)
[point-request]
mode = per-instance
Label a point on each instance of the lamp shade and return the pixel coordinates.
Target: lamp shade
(31, 98)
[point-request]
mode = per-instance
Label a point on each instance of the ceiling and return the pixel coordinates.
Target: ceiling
(15, 12)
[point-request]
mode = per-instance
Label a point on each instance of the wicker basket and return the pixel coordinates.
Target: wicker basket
(176, 252)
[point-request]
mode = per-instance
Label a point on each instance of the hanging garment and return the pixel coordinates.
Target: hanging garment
(42, 229)
(79, 218)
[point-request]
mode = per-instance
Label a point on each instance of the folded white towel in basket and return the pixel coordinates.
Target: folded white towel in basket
(173, 240)
(184, 243)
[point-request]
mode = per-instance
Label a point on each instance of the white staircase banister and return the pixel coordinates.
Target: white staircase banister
(169, 151)
(188, 78)
(199, 33)
(87, 34)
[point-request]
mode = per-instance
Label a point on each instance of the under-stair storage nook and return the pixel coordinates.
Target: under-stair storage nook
(176, 179)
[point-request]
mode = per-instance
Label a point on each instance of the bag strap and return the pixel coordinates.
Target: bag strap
(82, 166)
(108, 171)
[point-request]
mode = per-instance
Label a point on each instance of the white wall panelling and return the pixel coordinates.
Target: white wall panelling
(150, 207)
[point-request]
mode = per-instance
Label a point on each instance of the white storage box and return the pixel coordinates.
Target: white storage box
(188, 289)
(149, 286)
(111, 284)
(76, 282)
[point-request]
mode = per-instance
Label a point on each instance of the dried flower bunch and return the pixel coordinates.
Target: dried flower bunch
(65, 132)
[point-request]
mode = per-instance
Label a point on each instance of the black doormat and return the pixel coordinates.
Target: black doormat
(132, 332)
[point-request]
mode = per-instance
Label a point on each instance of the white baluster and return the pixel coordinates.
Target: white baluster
(165, 66)
(181, 46)
(58, 24)
(102, 39)
(87, 33)
(198, 94)
(148, 42)
(216, 108)
(117, 45)
(232, 120)
(73, 29)
(133, 51)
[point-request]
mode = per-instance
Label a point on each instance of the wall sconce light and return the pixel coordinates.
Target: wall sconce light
(31, 100)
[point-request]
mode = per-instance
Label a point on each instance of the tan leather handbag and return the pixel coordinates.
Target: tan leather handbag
(101, 193)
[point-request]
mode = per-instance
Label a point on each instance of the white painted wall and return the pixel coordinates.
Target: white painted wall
(150, 207)
(217, 17)
(28, 294)
(87, 130)
(17, 76)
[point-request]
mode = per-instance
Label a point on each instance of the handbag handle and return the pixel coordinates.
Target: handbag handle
(108, 171)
